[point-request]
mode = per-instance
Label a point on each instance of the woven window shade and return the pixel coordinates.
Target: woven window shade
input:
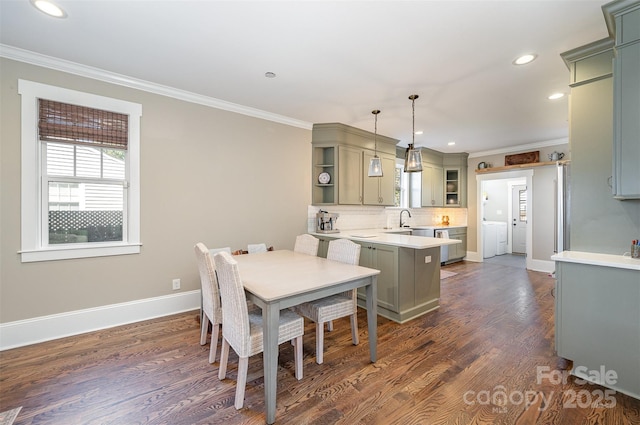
(80, 125)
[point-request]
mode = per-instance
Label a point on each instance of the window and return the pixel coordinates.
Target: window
(407, 189)
(80, 174)
(522, 205)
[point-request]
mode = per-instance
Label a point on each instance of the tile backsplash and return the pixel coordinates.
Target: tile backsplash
(364, 217)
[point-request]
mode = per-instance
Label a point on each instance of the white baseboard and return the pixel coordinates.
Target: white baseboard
(543, 266)
(45, 328)
(473, 256)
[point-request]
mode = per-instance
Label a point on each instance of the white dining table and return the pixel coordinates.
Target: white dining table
(276, 280)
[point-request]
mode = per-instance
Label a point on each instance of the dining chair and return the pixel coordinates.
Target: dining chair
(335, 306)
(254, 248)
(306, 244)
(211, 311)
(243, 329)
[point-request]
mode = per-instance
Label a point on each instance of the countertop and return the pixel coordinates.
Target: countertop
(596, 259)
(390, 237)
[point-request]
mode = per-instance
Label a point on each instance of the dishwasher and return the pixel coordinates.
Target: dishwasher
(434, 232)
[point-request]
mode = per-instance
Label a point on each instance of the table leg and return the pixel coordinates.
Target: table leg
(270, 318)
(372, 317)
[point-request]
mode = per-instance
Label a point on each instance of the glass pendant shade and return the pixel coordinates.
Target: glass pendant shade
(412, 160)
(375, 167)
(413, 157)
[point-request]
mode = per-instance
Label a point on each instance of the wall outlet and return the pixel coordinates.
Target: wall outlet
(427, 259)
(176, 284)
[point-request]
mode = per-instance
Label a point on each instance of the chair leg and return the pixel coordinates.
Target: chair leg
(243, 365)
(224, 357)
(298, 356)
(215, 330)
(319, 342)
(354, 329)
(330, 325)
(204, 328)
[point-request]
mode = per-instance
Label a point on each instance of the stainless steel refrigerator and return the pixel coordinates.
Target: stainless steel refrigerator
(562, 207)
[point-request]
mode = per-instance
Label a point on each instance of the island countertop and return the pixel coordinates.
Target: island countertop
(390, 237)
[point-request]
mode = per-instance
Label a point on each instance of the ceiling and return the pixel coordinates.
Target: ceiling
(336, 61)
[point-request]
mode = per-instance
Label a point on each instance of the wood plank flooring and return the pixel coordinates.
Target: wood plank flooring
(473, 361)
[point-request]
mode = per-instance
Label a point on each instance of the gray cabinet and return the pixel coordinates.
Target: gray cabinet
(597, 322)
(432, 185)
(626, 79)
(457, 251)
(350, 171)
(378, 190)
(344, 153)
(385, 259)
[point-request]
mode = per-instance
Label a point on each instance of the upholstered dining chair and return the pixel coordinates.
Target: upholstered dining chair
(211, 311)
(335, 306)
(254, 248)
(242, 328)
(306, 244)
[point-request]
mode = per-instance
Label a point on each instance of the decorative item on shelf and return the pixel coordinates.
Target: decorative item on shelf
(413, 157)
(555, 156)
(324, 178)
(451, 187)
(522, 158)
(482, 165)
(375, 166)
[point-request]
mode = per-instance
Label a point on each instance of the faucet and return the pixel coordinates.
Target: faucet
(401, 222)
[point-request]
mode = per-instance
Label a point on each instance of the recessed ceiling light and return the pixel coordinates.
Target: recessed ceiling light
(419, 132)
(556, 96)
(451, 143)
(270, 74)
(525, 59)
(49, 8)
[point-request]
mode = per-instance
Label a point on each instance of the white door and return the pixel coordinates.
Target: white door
(519, 222)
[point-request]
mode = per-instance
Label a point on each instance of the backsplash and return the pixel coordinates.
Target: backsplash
(363, 217)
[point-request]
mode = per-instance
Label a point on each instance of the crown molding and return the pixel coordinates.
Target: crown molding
(512, 149)
(74, 68)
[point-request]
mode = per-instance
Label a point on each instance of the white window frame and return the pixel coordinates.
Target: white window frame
(32, 204)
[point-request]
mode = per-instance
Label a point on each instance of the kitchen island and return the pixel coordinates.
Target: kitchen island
(409, 280)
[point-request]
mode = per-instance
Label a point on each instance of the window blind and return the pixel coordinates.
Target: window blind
(80, 125)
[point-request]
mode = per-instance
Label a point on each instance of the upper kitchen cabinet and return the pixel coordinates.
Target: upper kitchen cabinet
(432, 185)
(623, 21)
(350, 171)
(432, 178)
(455, 179)
(343, 152)
(379, 190)
(444, 179)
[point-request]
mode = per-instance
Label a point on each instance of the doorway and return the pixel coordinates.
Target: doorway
(508, 192)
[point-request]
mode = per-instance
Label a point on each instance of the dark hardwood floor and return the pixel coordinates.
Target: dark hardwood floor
(473, 361)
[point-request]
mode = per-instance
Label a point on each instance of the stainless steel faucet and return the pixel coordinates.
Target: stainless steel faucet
(402, 222)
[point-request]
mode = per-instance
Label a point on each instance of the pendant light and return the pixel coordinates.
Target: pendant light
(413, 157)
(375, 166)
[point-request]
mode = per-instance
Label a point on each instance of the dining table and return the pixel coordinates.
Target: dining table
(280, 279)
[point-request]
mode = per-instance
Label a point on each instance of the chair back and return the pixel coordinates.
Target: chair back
(214, 251)
(235, 314)
(306, 244)
(254, 248)
(208, 281)
(344, 250)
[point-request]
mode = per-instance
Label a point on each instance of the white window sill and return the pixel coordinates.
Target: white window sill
(66, 253)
